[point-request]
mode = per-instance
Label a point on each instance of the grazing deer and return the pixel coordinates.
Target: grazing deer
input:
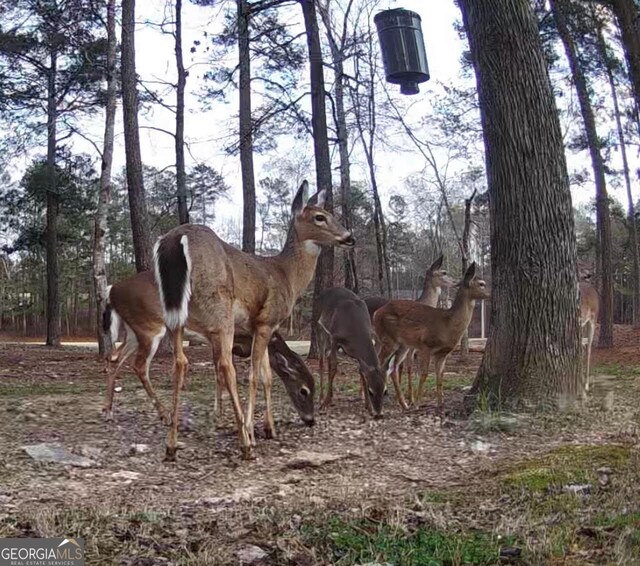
(403, 325)
(218, 291)
(435, 279)
(136, 303)
(344, 323)
(589, 307)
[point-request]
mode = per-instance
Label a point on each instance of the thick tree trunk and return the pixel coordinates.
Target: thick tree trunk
(246, 131)
(53, 299)
(324, 271)
(627, 13)
(533, 348)
(181, 175)
(559, 8)
(135, 184)
(104, 195)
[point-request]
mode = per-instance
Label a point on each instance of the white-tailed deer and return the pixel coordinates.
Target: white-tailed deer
(344, 323)
(435, 279)
(135, 302)
(218, 291)
(402, 325)
(589, 307)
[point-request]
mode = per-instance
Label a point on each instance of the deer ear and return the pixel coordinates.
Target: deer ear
(318, 199)
(470, 274)
(298, 201)
(437, 264)
(283, 363)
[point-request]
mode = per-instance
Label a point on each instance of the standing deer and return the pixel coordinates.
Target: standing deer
(589, 307)
(403, 325)
(344, 323)
(219, 291)
(136, 303)
(435, 279)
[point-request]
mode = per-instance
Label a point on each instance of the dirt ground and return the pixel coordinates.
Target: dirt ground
(349, 490)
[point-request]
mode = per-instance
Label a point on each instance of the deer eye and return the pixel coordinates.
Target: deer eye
(304, 391)
(443, 272)
(319, 218)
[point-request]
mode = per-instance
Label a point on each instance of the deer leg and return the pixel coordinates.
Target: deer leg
(409, 363)
(181, 364)
(424, 359)
(144, 356)
(124, 351)
(321, 369)
(439, 361)
(399, 357)
(333, 370)
(261, 338)
(269, 425)
(589, 342)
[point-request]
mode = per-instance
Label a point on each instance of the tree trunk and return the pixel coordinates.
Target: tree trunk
(559, 8)
(627, 13)
(533, 348)
(631, 213)
(181, 175)
(324, 271)
(464, 344)
(246, 131)
(104, 195)
(342, 133)
(53, 299)
(135, 185)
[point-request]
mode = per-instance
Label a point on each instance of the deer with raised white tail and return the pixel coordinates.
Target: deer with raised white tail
(403, 325)
(344, 323)
(218, 291)
(135, 303)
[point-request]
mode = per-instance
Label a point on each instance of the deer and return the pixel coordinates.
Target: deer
(589, 308)
(135, 304)
(344, 323)
(435, 279)
(219, 291)
(402, 325)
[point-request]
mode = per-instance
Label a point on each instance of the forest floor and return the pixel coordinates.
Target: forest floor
(408, 489)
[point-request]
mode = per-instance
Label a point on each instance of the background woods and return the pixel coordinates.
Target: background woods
(251, 97)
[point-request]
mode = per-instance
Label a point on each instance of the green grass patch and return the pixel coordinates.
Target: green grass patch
(568, 464)
(364, 540)
(617, 369)
(618, 521)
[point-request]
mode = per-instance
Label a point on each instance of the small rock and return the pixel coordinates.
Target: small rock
(125, 475)
(604, 476)
(118, 389)
(139, 449)
(56, 453)
(306, 459)
(251, 554)
(480, 446)
(577, 489)
(296, 521)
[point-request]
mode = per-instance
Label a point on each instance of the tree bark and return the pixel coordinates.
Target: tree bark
(53, 299)
(533, 348)
(135, 184)
(104, 195)
(559, 8)
(181, 175)
(246, 131)
(324, 271)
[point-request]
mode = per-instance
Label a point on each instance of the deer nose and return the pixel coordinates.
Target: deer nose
(378, 416)
(309, 420)
(349, 241)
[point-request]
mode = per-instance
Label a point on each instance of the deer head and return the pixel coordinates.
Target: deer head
(475, 287)
(374, 379)
(312, 223)
(296, 377)
(438, 276)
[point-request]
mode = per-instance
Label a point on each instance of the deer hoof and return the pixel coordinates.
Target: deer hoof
(248, 453)
(107, 414)
(164, 418)
(170, 454)
(269, 433)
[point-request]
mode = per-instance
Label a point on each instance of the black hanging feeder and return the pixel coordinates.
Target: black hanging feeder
(402, 45)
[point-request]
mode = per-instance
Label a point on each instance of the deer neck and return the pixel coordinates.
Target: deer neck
(462, 309)
(430, 294)
(298, 260)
